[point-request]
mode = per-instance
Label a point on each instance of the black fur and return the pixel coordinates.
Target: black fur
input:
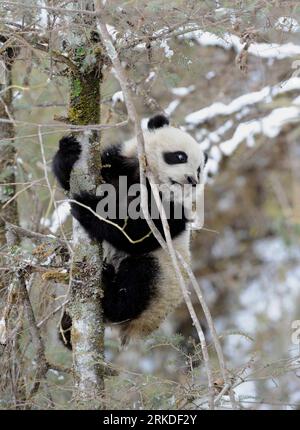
(135, 228)
(127, 292)
(157, 121)
(64, 160)
(177, 157)
(115, 165)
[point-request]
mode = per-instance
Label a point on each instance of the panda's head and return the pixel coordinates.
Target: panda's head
(174, 157)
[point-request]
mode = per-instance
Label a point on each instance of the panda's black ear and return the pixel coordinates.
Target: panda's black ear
(157, 121)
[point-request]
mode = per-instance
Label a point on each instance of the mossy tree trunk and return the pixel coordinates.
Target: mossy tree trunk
(86, 292)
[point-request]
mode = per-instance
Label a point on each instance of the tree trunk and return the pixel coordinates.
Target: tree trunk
(86, 292)
(10, 312)
(7, 150)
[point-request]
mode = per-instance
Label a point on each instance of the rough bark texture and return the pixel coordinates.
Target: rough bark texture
(7, 150)
(86, 292)
(10, 306)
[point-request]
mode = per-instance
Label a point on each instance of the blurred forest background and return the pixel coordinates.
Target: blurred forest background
(228, 72)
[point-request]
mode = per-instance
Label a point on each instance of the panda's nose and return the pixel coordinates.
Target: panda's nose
(191, 180)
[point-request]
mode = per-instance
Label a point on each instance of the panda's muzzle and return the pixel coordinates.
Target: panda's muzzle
(174, 182)
(189, 180)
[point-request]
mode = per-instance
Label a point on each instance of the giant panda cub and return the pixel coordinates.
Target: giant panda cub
(139, 282)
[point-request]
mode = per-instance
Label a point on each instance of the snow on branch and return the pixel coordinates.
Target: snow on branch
(231, 41)
(269, 126)
(266, 94)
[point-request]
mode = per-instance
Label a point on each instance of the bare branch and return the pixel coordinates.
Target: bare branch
(42, 364)
(36, 237)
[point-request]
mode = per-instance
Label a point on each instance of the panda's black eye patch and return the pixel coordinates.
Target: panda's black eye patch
(177, 157)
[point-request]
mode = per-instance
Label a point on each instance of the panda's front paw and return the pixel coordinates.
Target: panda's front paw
(70, 145)
(64, 160)
(87, 199)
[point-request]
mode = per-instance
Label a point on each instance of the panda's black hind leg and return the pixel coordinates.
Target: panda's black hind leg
(128, 292)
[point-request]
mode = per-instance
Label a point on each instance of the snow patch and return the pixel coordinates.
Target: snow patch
(237, 105)
(150, 77)
(58, 217)
(183, 91)
(168, 51)
(210, 75)
(270, 126)
(287, 24)
(230, 41)
(172, 107)
(118, 97)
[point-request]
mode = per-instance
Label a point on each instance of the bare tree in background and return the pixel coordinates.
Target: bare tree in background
(85, 76)
(7, 151)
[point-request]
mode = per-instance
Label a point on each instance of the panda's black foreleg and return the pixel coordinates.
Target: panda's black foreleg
(99, 229)
(128, 292)
(64, 160)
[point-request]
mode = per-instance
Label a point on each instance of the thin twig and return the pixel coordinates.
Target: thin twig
(69, 126)
(141, 239)
(49, 186)
(37, 237)
(52, 313)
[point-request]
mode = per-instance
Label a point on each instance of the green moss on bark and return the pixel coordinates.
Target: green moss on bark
(84, 105)
(84, 100)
